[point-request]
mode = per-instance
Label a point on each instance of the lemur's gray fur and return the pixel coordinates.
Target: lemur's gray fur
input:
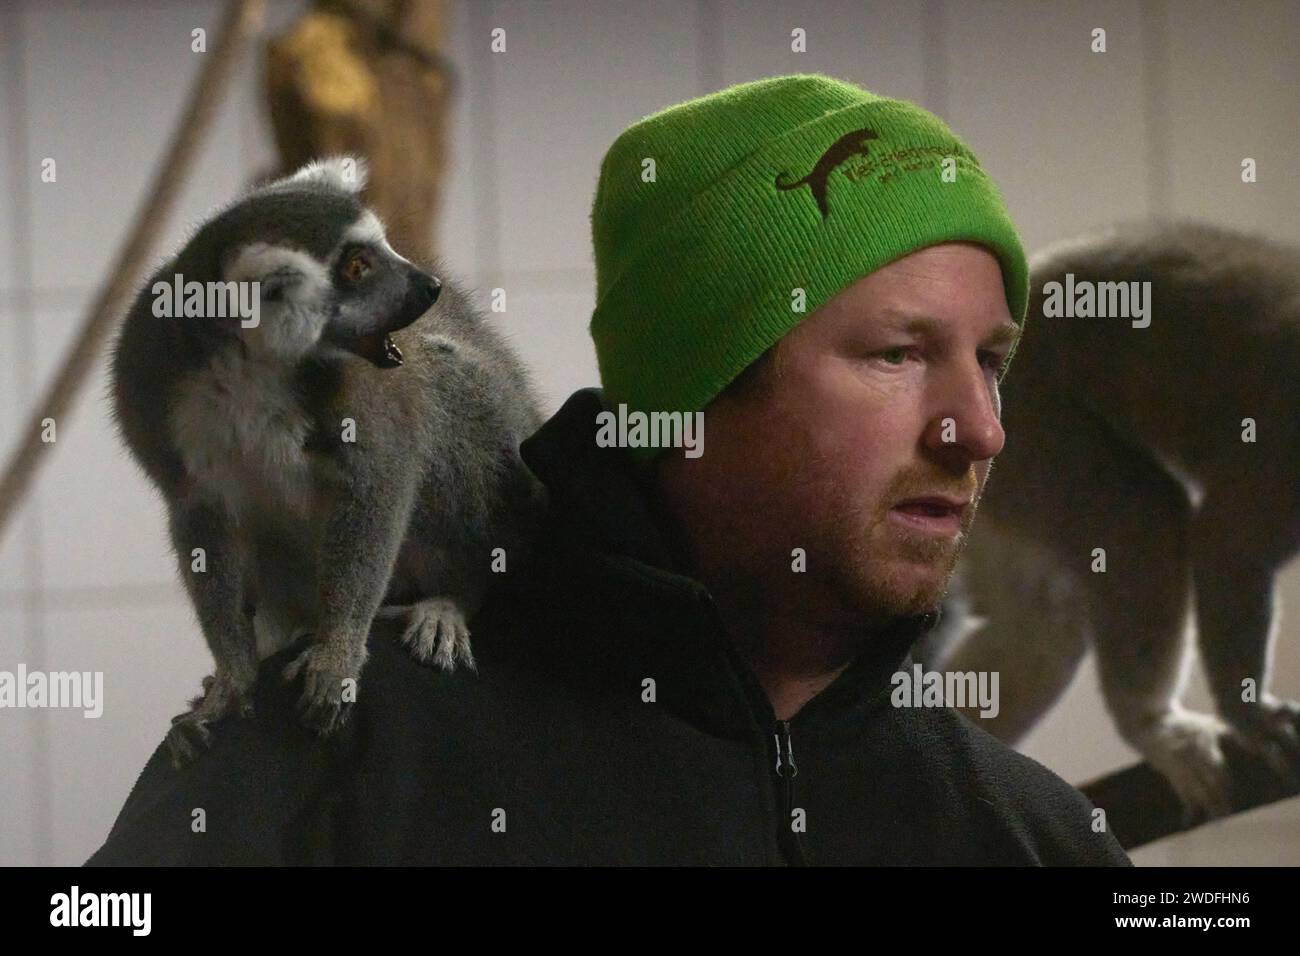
(245, 433)
(1131, 439)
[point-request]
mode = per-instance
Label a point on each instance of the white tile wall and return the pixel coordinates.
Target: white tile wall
(102, 524)
(1233, 87)
(877, 45)
(458, 230)
(10, 38)
(18, 791)
(570, 81)
(1060, 128)
(14, 549)
(12, 543)
(10, 417)
(153, 660)
(258, 155)
(99, 109)
(548, 328)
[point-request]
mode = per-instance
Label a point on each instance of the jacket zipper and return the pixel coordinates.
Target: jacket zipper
(788, 841)
(791, 841)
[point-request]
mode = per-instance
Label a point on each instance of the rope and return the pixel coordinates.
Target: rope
(243, 19)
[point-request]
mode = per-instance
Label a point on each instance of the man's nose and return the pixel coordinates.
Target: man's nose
(969, 415)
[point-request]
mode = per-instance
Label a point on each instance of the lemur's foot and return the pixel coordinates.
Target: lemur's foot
(1186, 747)
(222, 695)
(188, 737)
(436, 631)
(331, 671)
(1268, 729)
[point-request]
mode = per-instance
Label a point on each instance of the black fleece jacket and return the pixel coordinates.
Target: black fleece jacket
(611, 721)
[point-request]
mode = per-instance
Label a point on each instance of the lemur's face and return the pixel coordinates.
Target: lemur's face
(375, 292)
(329, 281)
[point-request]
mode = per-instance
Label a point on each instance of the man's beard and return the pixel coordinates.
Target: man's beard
(866, 553)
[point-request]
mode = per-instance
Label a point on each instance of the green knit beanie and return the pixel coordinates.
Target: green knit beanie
(710, 214)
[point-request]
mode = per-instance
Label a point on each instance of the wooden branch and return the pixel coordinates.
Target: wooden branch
(243, 19)
(1141, 806)
(365, 77)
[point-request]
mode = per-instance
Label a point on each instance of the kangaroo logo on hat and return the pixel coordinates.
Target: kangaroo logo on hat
(850, 144)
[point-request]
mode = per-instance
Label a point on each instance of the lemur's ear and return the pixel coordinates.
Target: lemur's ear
(282, 273)
(345, 173)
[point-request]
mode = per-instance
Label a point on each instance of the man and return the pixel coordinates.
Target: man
(697, 663)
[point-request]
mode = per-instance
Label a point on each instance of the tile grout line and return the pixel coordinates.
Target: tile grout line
(85, 597)
(57, 296)
(1155, 105)
(484, 150)
(33, 604)
(934, 58)
(709, 48)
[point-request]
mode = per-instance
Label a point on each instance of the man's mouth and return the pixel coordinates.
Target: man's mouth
(932, 514)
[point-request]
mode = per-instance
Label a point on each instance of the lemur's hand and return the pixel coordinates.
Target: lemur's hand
(222, 695)
(1186, 747)
(331, 672)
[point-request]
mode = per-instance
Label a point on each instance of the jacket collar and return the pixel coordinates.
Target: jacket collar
(597, 488)
(657, 620)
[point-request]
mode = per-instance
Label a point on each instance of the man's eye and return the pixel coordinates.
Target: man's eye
(889, 355)
(356, 267)
(991, 360)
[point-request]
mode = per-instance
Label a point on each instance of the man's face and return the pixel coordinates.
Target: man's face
(886, 393)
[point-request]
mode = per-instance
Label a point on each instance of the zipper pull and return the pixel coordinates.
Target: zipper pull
(786, 759)
(790, 839)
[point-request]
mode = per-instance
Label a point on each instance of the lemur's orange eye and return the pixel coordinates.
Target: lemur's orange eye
(356, 267)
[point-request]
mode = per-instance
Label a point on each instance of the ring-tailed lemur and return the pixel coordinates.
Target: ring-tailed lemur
(314, 470)
(1169, 444)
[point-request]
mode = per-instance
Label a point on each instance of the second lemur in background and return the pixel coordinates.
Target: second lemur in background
(1150, 481)
(357, 447)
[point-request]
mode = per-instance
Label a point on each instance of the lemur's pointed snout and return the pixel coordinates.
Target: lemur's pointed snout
(421, 292)
(428, 286)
